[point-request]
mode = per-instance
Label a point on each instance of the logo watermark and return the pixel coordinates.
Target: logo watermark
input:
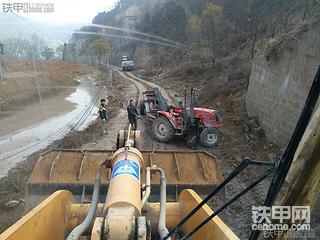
(28, 7)
(288, 221)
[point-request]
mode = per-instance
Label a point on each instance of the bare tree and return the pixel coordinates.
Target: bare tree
(100, 47)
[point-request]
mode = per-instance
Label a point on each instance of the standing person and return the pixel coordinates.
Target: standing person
(103, 113)
(132, 115)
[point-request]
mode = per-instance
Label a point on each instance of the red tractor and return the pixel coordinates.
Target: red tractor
(197, 124)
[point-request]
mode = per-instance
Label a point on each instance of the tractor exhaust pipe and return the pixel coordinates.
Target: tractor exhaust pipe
(191, 105)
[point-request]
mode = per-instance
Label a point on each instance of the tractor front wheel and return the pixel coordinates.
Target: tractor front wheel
(162, 129)
(210, 137)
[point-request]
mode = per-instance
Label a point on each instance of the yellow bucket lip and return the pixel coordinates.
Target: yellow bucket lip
(74, 168)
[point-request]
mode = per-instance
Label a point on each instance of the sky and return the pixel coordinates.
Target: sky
(65, 11)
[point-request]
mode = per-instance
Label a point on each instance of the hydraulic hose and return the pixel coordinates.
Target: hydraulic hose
(162, 229)
(146, 195)
(81, 228)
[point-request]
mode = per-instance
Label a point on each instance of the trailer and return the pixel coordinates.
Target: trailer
(152, 102)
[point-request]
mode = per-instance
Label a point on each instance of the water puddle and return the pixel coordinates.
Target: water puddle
(15, 147)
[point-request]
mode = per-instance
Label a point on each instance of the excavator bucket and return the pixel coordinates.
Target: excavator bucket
(74, 170)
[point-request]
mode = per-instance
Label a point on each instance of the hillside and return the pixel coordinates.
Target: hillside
(208, 37)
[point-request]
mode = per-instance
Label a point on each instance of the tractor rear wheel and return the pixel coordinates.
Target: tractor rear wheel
(162, 129)
(210, 137)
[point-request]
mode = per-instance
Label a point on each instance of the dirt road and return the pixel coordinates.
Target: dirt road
(143, 85)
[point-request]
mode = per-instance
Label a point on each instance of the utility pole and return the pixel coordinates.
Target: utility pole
(110, 76)
(0, 68)
(107, 60)
(37, 80)
(1, 53)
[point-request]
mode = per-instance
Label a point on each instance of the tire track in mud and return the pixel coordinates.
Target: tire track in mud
(141, 84)
(140, 87)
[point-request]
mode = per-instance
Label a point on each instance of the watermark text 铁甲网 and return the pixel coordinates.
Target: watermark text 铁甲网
(280, 220)
(28, 7)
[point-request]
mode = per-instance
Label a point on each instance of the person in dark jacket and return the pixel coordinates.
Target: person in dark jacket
(103, 113)
(132, 115)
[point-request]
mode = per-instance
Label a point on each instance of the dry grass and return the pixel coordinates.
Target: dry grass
(19, 82)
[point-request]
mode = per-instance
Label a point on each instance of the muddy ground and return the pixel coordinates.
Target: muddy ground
(242, 137)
